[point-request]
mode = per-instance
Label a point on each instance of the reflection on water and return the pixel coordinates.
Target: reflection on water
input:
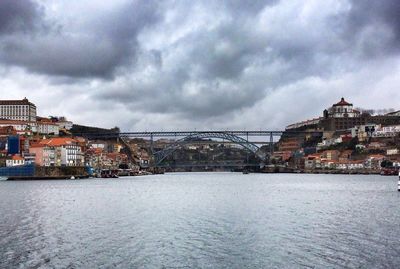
(202, 220)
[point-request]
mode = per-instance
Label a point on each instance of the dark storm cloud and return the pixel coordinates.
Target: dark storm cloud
(375, 25)
(19, 16)
(108, 42)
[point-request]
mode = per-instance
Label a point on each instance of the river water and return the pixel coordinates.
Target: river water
(202, 220)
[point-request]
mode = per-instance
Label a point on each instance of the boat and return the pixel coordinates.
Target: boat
(107, 173)
(398, 183)
(388, 172)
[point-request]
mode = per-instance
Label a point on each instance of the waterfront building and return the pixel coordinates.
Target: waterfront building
(312, 161)
(21, 110)
(15, 160)
(374, 161)
(57, 151)
(350, 165)
(44, 154)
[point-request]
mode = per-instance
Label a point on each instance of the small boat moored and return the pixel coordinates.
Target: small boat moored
(398, 183)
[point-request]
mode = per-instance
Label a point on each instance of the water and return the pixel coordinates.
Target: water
(202, 220)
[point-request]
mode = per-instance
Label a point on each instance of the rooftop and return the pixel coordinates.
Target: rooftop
(24, 101)
(17, 158)
(342, 102)
(58, 141)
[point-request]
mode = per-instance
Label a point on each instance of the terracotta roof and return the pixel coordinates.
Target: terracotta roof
(376, 156)
(36, 145)
(4, 121)
(342, 102)
(58, 141)
(17, 158)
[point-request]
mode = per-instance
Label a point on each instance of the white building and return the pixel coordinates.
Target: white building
(394, 114)
(342, 109)
(387, 131)
(362, 132)
(63, 123)
(392, 151)
(71, 155)
(28, 127)
(20, 126)
(48, 128)
(66, 151)
(21, 110)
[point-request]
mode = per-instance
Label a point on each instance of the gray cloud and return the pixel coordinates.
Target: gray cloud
(19, 16)
(108, 42)
(374, 26)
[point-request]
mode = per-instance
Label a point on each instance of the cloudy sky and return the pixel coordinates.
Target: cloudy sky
(227, 64)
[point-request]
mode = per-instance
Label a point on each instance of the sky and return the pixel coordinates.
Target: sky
(206, 65)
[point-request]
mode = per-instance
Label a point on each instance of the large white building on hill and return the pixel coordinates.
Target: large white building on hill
(21, 110)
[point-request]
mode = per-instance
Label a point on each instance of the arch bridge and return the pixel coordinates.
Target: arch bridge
(240, 137)
(159, 156)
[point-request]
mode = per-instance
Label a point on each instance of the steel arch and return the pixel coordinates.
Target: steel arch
(159, 156)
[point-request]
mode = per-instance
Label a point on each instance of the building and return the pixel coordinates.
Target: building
(57, 151)
(63, 123)
(44, 154)
(289, 144)
(22, 127)
(350, 165)
(21, 110)
(374, 161)
(387, 131)
(331, 155)
(342, 116)
(15, 161)
(47, 126)
(342, 109)
(312, 161)
(395, 113)
(29, 127)
(363, 132)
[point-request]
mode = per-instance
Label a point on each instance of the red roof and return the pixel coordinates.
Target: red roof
(58, 141)
(342, 103)
(17, 158)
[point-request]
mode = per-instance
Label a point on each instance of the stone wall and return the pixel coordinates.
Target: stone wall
(42, 171)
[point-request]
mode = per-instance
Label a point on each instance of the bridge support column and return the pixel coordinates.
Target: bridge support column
(151, 144)
(271, 143)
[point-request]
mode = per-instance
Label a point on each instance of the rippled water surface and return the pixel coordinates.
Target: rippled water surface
(202, 220)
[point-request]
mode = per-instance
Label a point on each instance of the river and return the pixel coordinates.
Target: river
(202, 220)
